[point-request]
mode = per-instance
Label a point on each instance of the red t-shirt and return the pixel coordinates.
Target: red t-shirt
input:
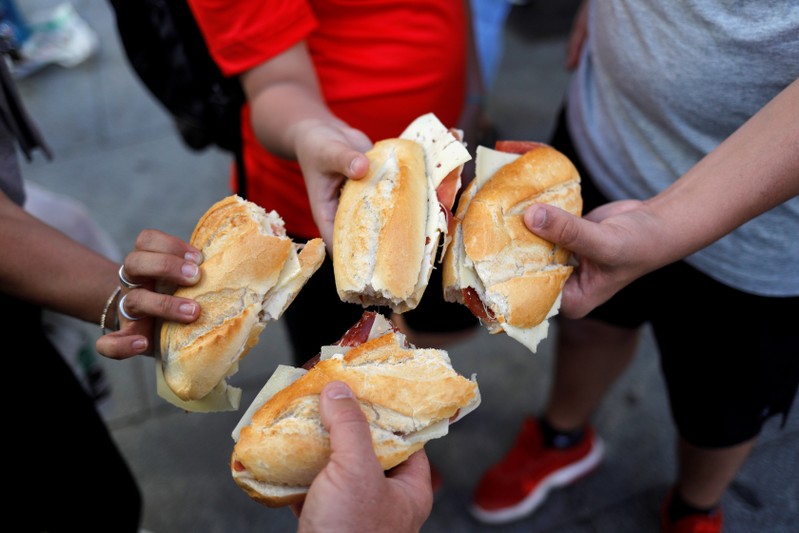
(380, 63)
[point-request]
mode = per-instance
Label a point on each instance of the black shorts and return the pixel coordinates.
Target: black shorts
(317, 317)
(730, 359)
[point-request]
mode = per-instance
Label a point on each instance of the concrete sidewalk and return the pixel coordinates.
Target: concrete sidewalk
(118, 154)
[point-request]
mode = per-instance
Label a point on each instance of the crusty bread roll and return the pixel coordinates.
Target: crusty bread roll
(251, 272)
(510, 278)
(408, 396)
(388, 225)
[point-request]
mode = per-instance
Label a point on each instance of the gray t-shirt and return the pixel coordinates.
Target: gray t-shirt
(662, 83)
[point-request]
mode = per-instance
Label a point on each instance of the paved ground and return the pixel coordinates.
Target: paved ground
(116, 152)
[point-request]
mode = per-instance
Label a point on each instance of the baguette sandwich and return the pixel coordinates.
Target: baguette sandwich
(389, 224)
(409, 396)
(251, 272)
(507, 276)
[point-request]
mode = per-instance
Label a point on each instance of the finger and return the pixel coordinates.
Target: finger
(553, 224)
(612, 209)
(144, 303)
(120, 345)
(414, 475)
(358, 167)
(349, 431)
(153, 240)
(340, 158)
(143, 266)
(416, 468)
(296, 508)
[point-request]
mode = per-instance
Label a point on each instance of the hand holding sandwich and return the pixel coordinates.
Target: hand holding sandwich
(621, 241)
(157, 262)
(329, 152)
(352, 493)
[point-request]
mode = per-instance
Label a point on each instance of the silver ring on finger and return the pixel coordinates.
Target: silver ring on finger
(124, 312)
(124, 281)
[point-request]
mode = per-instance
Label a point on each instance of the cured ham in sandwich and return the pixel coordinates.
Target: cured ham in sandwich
(409, 396)
(507, 276)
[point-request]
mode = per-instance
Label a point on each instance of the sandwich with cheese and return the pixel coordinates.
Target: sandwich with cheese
(251, 272)
(507, 276)
(409, 396)
(388, 225)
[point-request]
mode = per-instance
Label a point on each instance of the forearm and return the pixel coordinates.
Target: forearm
(754, 170)
(44, 266)
(285, 98)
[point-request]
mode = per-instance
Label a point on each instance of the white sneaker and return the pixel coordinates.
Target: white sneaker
(63, 38)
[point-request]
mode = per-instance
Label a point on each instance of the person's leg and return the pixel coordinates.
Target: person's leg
(706, 473)
(591, 355)
(729, 362)
(561, 446)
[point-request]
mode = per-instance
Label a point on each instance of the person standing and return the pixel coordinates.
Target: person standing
(322, 76)
(659, 89)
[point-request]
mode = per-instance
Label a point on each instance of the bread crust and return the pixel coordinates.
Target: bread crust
(401, 391)
(245, 250)
(520, 275)
(380, 227)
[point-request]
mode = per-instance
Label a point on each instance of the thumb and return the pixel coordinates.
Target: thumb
(552, 223)
(349, 431)
(560, 227)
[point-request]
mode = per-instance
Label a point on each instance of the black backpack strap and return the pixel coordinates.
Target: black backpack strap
(241, 174)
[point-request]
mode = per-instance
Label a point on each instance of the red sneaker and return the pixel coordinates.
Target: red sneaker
(518, 485)
(694, 523)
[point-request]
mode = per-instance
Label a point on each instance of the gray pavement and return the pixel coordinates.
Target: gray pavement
(117, 153)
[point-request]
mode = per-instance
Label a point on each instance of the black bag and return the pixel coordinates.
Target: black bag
(168, 52)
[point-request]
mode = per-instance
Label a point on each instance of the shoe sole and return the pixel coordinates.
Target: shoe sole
(560, 478)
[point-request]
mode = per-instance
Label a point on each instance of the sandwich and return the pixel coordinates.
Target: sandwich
(409, 396)
(388, 225)
(507, 276)
(251, 272)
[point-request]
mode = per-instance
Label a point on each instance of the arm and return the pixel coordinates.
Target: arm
(352, 493)
(752, 171)
(290, 119)
(577, 36)
(44, 266)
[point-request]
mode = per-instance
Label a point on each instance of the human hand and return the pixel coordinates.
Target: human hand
(577, 36)
(613, 245)
(329, 153)
(158, 263)
(352, 493)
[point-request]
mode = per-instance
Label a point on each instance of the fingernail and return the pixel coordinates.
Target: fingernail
(194, 257)
(186, 309)
(189, 270)
(353, 166)
(139, 345)
(539, 217)
(338, 391)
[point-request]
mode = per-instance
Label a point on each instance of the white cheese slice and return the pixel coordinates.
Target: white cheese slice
(223, 397)
(442, 151)
(282, 377)
(488, 161)
(530, 337)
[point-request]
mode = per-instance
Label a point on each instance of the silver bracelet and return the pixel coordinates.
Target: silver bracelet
(107, 307)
